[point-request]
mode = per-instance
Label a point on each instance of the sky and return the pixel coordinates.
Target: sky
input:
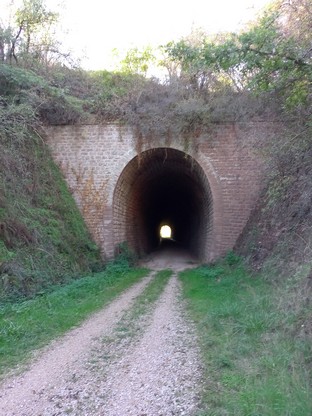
(95, 27)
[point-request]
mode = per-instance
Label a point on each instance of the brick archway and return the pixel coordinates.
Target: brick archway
(222, 171)
(163, 185)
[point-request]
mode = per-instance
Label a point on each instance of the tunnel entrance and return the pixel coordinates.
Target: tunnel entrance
(163, 186)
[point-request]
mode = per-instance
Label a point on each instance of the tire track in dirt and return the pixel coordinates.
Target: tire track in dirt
(24, 394)
(162, 374)
(155, 371)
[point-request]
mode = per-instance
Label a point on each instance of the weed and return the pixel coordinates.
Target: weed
(254, 364)
(232, 258)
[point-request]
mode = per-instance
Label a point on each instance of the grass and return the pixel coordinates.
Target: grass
(44, 240)
(28, 325)
(256, 362)
(130, 322)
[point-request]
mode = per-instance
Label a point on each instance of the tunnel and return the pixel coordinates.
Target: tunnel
(163, 186)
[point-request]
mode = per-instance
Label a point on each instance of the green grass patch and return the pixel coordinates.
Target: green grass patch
(255, 364)
(28, 325)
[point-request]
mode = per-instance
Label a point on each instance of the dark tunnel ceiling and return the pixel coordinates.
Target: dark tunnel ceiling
(166, 187)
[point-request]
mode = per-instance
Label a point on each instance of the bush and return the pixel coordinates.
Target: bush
(232, 259)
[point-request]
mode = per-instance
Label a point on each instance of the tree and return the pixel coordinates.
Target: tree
(137, 61)
(191, 66)
(28, 37)
(274, 55)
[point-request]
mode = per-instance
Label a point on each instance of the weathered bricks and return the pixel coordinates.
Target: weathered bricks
(99, 166)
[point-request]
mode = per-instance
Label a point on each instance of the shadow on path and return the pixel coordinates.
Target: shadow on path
(170, 256)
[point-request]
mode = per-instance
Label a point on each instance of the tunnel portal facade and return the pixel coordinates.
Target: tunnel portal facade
(204, 189)
(163, 186)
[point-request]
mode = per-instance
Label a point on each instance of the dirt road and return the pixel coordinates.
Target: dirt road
(93, 370)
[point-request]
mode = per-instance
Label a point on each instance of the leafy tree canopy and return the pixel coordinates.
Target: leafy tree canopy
(28, 37)
(230, 76)
(273, 55)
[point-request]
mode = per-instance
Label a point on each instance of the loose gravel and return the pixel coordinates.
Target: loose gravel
(152, 369)
(161, 374)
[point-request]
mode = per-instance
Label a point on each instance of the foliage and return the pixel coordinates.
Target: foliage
(282, 65)
(124, 260)
(25, 92)
(137, 61)
(263, 72)
(232, 259)
(112, 93)
(213, 76)
(28, 38)
(256, 352)
(277, 57)
(125, 254)
(273, 55)
(260, 72)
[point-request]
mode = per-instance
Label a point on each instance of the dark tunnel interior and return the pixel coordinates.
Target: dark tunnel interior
(170, 199)
(164, 187)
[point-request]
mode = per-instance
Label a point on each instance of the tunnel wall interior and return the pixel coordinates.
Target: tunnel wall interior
(163, 186)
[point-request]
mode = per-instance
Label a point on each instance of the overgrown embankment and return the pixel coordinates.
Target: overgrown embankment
(277, 241)
(43, 239)
(254, 313)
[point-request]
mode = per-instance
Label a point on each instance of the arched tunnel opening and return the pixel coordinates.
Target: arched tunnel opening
(159, 187)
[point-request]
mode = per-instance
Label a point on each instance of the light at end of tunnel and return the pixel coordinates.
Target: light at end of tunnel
(165, 231)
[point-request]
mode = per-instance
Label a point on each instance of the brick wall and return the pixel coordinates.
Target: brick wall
(102, 167)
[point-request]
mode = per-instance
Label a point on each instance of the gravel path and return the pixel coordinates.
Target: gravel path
(161, 375)
(94, 370)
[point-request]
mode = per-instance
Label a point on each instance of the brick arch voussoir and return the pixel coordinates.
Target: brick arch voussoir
(204, 164)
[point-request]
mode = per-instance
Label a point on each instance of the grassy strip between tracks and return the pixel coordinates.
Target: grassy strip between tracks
(131, 322)
(130, 327)
(257, 357)
(28, 325)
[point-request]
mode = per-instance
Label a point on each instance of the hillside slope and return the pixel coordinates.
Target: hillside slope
(43, 239)
(277, 241)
